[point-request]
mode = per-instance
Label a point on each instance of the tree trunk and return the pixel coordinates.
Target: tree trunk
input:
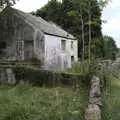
(83, 40)
(90, 39)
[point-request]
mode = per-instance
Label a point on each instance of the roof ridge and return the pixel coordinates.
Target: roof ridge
(43, 25)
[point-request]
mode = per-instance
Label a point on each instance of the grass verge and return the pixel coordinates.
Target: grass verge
(34, 103)
(111, 111)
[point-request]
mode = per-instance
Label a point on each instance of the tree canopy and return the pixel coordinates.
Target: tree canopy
(110, 48)
(7, 2)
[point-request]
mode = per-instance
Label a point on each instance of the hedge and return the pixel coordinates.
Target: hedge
(49, 78)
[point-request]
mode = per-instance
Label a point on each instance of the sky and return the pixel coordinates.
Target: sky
(111, 14)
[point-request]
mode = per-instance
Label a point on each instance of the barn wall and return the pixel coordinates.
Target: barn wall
(55, 57)
(14, 30)
(39, 44)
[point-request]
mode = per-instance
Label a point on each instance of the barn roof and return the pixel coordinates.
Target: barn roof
(47, 27)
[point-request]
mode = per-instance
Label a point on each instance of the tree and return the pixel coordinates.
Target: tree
(7, 2)
(87, 9)
(110, 48)
(78, 14)
(51, 11)
(103, 3)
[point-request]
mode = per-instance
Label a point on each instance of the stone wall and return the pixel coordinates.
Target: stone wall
(18, 34)
(38, 77)
(14, 31)
(93, 111)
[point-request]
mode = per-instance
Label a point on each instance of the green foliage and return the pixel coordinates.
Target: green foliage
(34, 103)
(103, 3)
(111, 97)
(46, 12)
(82, 68)
(118, 54)
(49, 78)
(7, 2)
(110, 48)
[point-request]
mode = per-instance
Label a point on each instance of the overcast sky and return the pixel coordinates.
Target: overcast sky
(111, 14)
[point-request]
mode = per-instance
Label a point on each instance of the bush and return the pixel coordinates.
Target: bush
(49, 78)
(83, 67)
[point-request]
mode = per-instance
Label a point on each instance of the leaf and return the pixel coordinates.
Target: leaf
(73, 13)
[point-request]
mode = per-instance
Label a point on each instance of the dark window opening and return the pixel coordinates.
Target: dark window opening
(63, 44)
(72, 58)
(71, 44)
(2, 45)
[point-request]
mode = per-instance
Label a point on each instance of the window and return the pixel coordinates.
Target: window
(63, 44)
(71, 44)
(20, 49)
(72, 58)
(2, 45)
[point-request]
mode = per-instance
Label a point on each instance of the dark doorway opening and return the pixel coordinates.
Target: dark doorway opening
(72, 58)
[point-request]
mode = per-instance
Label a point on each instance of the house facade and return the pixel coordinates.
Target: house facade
(24, 37)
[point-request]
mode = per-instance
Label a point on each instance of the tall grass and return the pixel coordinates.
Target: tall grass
(111, 110)
(34, 103)
(82, 68)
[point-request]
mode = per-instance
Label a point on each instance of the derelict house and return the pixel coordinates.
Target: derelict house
(24, 37)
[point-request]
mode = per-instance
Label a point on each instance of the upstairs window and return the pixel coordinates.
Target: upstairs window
(2, 45)
(72, 44)
(63, 44)
(72, 58)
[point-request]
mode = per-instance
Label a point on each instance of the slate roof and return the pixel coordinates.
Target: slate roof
(46, 27)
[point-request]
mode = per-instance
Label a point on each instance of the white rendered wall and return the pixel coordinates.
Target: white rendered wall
(55, 57)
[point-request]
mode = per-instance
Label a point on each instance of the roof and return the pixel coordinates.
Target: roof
(47, 27)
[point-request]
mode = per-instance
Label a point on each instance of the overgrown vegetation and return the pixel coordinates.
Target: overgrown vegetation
(82, 18)
(50, 78)
(84, 68)
(34, 103)
(111, 97)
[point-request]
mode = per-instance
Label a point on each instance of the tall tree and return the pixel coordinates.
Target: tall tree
(51, 11)
(110, 48)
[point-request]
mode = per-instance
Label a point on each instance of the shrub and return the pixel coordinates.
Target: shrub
(49, 78)
(82, 68)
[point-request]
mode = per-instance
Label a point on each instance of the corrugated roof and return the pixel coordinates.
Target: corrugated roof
(46, 27)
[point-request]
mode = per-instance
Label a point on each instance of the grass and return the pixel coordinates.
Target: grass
(112, 99)
(81, 68)
(34, 103)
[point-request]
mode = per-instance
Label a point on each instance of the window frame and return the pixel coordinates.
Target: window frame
(63, 44)
(72, 44)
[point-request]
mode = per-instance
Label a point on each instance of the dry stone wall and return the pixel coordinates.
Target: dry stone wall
(93, 111)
